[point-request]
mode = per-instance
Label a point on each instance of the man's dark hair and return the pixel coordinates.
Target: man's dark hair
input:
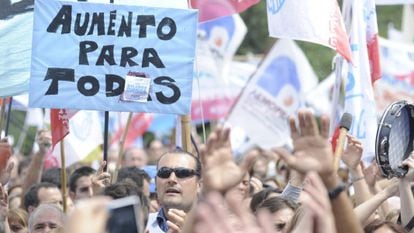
(53, 176)
(121, 189)
(198, 167)
(135, 174)
(127, 188)
(78, 173)
(31, 197)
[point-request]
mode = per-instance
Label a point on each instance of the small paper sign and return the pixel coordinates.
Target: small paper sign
(136, 88)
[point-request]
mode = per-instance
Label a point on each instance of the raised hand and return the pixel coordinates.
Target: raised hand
(215, 215)
(220, 171)
(100, 179)
(175, 220)
(353, 153)
(317, 216)
(89, 216)
(44, 140)
(312, 150)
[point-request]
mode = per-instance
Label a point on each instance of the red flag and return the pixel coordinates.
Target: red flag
(372, 39)
(59, 124)
(212, 9)
(139, 124)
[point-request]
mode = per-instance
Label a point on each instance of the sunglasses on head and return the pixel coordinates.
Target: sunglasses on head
(179, 172)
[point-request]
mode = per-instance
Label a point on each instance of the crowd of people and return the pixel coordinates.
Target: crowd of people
(207, 190)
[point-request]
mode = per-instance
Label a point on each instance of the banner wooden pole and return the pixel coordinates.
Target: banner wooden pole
(6, 130)
(186, 132)
(105, 149)
(3, 113)
(121, 146)
(63, 175)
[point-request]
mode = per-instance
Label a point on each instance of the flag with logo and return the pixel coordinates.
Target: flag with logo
(317, 21)
(84, 140)
(212, 9)
(217, 43)
(275, 91)
(359, 97)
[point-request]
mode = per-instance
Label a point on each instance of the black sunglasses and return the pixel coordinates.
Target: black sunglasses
(179, 172)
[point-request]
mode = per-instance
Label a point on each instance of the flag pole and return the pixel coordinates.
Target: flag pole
(3, 113)
(63, 174)
(335, 95)
(105, 149)
(6, 131)
(186, 132)
(121, 146)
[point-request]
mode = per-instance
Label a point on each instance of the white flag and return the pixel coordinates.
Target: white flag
(359, 97)
(274, 92)
(84, 137)
(317, 21)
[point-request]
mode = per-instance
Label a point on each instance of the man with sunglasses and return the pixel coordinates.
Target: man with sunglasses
(178, 184)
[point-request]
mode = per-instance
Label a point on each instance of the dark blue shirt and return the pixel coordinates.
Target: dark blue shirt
(162, 220)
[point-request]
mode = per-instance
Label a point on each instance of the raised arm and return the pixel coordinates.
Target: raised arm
(34, 172)
(352, 159)
(366, 209)
(313, 152)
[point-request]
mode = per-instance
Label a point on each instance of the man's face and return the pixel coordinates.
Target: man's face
(174, 192)
(83, 188)
(136, 158)
(156, 149)
(50, 196)
(45, 222)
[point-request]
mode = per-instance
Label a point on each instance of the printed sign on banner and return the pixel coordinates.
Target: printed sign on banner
(82, 53)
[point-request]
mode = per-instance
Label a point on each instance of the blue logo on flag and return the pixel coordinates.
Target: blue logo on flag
(224, 22)
(274, 6)
(280, 72)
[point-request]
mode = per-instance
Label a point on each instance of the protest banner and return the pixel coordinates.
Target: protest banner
(112, 57)
(16, 21)
(16, 26)
(274, 92)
